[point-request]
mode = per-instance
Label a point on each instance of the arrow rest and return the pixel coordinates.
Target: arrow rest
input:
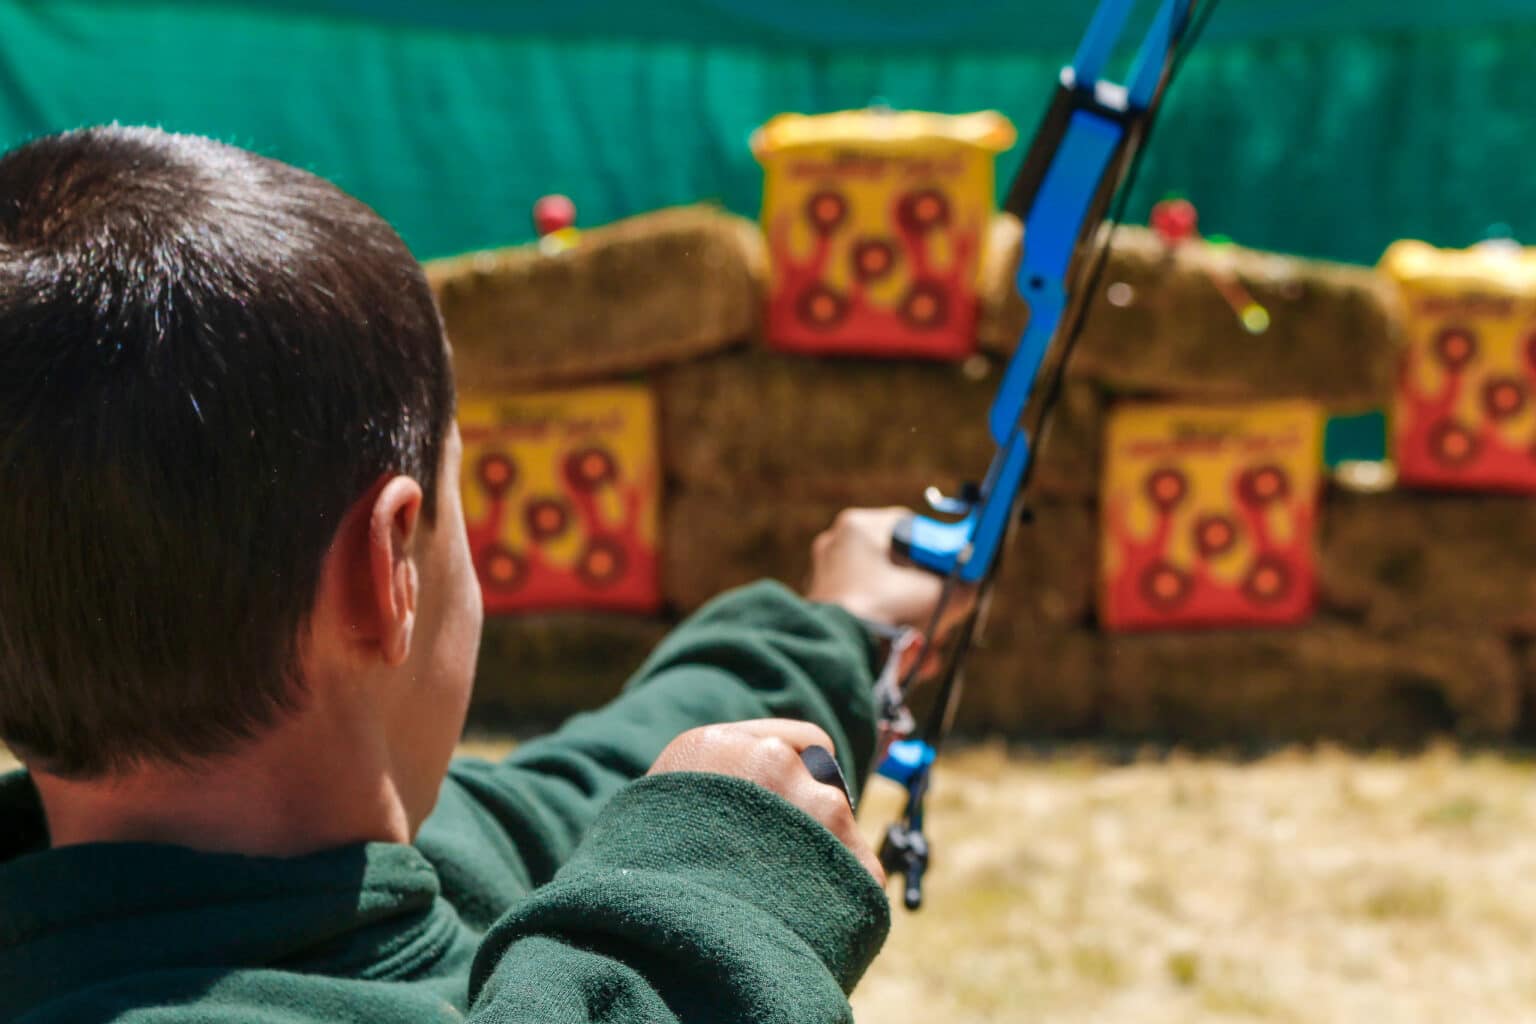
(953, 505)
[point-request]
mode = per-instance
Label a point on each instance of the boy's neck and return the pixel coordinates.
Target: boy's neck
(284, 795)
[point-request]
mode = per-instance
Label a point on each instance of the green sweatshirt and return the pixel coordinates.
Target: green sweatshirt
(556, 886)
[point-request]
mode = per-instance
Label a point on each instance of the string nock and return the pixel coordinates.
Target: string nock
(905, 853)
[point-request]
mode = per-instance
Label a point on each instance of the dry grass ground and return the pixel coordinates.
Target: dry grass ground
(1305, 887)
(1312, 887)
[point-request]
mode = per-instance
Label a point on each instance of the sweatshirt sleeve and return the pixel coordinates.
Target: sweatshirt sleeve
(760, 651)
(693, 898)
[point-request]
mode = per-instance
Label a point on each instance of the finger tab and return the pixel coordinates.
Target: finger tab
(824, 769)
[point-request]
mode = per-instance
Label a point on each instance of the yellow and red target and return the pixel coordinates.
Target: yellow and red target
(1208, 515)
(561, 500)
(1463, 418)
(874, 223)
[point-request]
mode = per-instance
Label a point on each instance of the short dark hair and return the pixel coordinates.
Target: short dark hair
(206, 357)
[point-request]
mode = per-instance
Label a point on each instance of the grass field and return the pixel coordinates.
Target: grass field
(1304, 887)
(1311, 887)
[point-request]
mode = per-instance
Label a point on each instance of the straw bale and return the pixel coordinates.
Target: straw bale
(1001, 314)
(1327, 680)
(781, 420)
(652, 289)
(1525, 653)
(1071, 453)
(534, 670)
(1332, 336)
(845, 429)
(715, 541)
(1400, 562)
(1031, 679)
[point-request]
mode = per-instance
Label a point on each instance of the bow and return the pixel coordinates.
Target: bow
(1084, 153)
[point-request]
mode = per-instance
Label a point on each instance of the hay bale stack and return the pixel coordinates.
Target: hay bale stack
(1332, 335)
(636, 294)
(1428, 603)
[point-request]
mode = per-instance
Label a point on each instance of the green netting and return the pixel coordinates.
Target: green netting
(1326, 129)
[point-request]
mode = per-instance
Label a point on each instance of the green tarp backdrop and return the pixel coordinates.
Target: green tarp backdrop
(1325, 127)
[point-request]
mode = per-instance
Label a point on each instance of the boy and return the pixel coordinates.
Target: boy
(238, 624)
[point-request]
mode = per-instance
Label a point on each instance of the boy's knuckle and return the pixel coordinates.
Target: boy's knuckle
(775, 751)
(830, 807)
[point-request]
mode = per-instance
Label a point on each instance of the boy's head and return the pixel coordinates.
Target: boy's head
(210, 363)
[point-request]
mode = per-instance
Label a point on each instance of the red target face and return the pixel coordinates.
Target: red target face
(1455, 347)
(923, 211)
(821, 307)
(925, 306)
(1452, 444)
(1165, 488)
(873, 258)
(1264, 485)
(502, 569)
(1503, 398)
(826, 211)
(496, 473)
(1215, 535)
(602, 563)
(546, 519)
(590, 468)
(1268, 581)
(1165, 587)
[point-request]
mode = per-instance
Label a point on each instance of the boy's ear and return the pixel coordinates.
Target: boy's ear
(366, 603)
(393, 522)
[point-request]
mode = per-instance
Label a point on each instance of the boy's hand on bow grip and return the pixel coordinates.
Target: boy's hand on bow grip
(852, 566)
(767, 751)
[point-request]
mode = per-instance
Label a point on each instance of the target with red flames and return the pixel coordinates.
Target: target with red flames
(1208, 515)
(874, 223)
(560, 499)
(1464, 418)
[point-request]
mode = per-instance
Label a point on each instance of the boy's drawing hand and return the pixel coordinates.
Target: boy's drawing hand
(767, 751)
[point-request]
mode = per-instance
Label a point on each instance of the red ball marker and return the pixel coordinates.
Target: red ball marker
(553, 213)
(1175, 221)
